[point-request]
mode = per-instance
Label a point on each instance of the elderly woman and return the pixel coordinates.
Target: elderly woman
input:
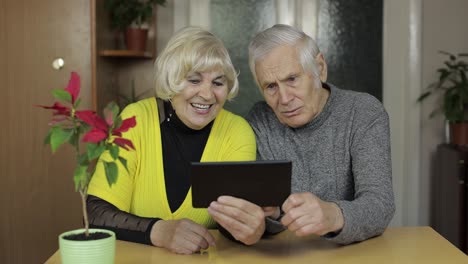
(151, 201)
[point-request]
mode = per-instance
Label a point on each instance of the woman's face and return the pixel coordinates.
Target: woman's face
(202, 98)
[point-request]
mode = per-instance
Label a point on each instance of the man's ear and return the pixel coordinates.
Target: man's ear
(322, 67)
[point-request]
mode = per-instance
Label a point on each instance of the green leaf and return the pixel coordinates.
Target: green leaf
(435, 112)
(449, 65)
(445, 53)
(83, 127)
(59, 136)
(114, 151)
(77, 103)
(83, 159)
(463, 79)
(124, 163)
(47, 138)
(117, 123)
(74, 139)
(423, 96)
(111, 172)
(113, 109)
(62, 95)
(443, 75)
(94, 150)
(80, 177)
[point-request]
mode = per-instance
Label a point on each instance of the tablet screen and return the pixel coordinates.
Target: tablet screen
(264, 183)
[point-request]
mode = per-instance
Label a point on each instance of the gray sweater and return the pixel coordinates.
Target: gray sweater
(342, 156)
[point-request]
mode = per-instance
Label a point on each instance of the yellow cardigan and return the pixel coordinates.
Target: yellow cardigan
(142, 191)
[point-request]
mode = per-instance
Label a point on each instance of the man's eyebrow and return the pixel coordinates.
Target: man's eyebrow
(287, 76)
(265, 83)
(283, 79)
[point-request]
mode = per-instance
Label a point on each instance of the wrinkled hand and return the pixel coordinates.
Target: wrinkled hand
(244, 220)
(306, 214)
(272, 212)
(181, 236)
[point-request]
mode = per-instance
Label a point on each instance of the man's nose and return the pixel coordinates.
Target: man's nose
(285, 95)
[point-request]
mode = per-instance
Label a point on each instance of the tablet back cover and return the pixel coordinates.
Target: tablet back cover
(264, 183)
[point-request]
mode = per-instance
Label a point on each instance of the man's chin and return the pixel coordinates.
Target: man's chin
(293, 122)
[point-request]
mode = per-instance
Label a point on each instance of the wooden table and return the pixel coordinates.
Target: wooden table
(396, 245)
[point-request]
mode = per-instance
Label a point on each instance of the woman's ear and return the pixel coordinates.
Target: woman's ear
(320, 60)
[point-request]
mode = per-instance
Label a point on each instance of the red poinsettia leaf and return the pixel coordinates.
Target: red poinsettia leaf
(94, 136)
(123, 142)
(126, 125)
(57, 119)
(92, 119)
(55, 106)
(86, 116)
(58, 107)
(74, 86)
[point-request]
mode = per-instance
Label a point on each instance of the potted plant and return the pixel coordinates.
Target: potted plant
(123, 99)
(130, 17)
(453, 85)
(79, 127)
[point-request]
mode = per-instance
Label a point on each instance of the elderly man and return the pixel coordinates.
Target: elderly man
(338, 141)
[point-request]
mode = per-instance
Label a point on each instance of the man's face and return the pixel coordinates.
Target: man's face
(294, 95)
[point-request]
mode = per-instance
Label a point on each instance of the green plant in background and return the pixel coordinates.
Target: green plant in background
(124, 13)
(453, 84)
(125, 100)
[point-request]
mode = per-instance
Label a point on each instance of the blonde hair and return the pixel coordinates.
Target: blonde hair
(190, 50)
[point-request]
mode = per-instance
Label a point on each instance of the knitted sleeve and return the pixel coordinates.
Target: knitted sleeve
(373, 206)
(126, 226)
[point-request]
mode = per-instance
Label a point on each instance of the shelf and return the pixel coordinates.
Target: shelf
(126, 54)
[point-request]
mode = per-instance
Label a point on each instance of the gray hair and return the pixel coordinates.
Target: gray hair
(192, 49)
(279, 35)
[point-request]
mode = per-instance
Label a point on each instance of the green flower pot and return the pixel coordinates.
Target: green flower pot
(90, 251)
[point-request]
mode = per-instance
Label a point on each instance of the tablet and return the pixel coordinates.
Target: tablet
(264, 183)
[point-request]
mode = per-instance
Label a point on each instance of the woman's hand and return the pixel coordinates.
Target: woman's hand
(181, 236)
(244, 220)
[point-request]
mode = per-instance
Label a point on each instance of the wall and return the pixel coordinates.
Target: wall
(414, 30)
(115, 75)
(37, 198)
(444, 28)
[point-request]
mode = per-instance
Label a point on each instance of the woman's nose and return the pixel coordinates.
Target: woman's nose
(206, 91)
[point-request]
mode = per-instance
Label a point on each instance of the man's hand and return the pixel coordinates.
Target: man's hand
(244, 220)
(181, 236)
(306, 214)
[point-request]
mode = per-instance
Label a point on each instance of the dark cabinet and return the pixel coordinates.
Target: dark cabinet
(449, 194)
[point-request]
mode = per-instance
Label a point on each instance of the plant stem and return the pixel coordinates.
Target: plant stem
(83, 189)
(83, 194)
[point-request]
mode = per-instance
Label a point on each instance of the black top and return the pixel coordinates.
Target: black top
(180, 146)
